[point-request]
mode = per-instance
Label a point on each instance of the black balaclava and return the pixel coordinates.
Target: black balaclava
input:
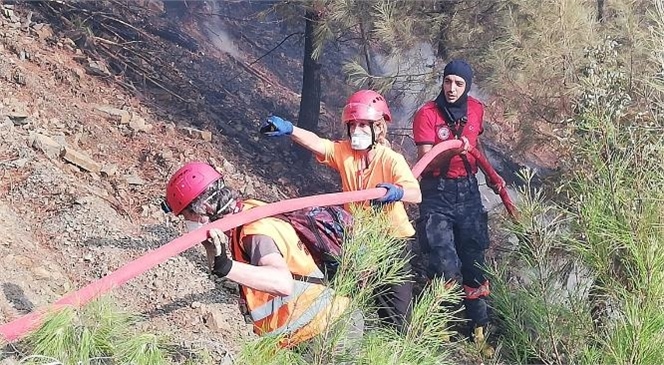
(459, 108)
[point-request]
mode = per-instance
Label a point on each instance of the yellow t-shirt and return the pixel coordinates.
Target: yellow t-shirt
(387, 166)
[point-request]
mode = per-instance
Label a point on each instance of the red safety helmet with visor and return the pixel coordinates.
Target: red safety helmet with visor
(188, 183)
(365, 105)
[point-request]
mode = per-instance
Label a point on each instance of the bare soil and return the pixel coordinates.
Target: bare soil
(63, 224)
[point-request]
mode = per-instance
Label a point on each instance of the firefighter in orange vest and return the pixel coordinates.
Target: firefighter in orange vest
(365, 160)
(267, 259)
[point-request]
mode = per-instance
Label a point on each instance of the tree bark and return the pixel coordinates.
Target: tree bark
(309, 113)
(600, 11)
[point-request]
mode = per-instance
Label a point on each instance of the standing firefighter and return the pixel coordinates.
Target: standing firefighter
(266, 256)
(453, 227)
(365, 161)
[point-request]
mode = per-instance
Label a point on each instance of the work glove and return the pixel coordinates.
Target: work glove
(394, 194)
(217, 256)
(276, 127)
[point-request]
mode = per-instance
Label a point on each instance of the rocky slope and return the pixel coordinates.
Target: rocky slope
(86, 148)
(84, 164)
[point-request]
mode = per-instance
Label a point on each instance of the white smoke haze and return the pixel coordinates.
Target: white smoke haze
(415, 75)
(214, 30)
(222, 40)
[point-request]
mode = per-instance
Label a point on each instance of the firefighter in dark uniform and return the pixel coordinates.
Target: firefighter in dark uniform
(453, 227)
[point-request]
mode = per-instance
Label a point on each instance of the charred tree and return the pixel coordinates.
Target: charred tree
(600, 11)
(309, 113)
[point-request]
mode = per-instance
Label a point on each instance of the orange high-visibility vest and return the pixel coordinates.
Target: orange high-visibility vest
(309, 309)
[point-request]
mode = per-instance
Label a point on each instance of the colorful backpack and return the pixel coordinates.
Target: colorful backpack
(322, 230)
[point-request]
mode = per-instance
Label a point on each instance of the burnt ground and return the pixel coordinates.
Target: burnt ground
(158, 73)
(68, 221)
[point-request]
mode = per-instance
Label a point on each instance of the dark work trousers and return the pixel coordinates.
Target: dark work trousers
(394, 301)
(453, 232)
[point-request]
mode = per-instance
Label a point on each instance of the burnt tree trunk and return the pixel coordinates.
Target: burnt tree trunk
(308, 115)
(367, 55)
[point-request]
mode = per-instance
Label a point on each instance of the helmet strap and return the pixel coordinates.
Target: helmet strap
(373, 135)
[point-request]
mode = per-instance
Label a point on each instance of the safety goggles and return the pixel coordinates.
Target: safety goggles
(208, 202)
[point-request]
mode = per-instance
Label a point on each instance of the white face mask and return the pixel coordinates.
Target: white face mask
(360, 141)
(192, 226)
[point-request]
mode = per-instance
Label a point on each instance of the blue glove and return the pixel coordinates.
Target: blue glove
(276, 127)
(394, 194)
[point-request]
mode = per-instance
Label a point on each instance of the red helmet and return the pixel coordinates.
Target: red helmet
(188, 183)
(366, 105)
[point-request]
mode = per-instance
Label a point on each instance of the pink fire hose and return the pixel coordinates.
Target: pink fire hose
(496, 181)
(19, 327)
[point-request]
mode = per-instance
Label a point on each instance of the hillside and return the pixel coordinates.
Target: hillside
(86, 149)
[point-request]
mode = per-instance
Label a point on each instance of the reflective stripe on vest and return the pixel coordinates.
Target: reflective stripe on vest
(273, 305)
(322, 302)
(476, 293)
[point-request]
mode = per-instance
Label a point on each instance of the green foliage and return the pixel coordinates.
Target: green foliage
(144, 349)
(266, 351)
(423, 342)
(655, 44)
(609, 231)
(539, 292)
(370, 257)
(359, 77)
(539, 42)
(98, 333)
(619, 211)
(71, 335)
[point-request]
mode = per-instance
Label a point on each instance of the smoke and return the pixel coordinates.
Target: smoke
(415, 83)
(223, 42)
(214, 30)
(415, 79)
